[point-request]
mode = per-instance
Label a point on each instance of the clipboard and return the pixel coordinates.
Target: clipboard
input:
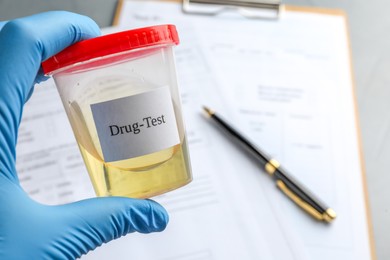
(266, 9)
(273, 10)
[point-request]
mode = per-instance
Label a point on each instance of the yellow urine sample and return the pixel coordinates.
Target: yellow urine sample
(140, 177)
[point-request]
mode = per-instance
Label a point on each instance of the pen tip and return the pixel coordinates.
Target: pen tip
(208, 111)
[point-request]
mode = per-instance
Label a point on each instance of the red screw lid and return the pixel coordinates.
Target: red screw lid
(111, 44)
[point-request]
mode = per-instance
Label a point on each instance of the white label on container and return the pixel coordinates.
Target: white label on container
(136, 125)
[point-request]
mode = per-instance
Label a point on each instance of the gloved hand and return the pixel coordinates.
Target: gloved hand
(29, 230)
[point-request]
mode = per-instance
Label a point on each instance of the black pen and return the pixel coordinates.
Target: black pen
(291, 187)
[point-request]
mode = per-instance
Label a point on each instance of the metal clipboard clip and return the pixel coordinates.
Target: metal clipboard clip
(263, 9)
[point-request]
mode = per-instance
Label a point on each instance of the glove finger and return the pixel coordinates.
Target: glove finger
(96, 221)
(2, 23)
(27, 41)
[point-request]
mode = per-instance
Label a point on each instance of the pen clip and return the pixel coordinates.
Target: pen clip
(305, 206)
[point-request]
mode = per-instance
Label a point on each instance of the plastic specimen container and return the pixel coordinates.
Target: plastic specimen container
(121, 96)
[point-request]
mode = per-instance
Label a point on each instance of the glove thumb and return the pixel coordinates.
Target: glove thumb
(90, 223)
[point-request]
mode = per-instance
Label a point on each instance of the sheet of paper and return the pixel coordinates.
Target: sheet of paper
(297, 104)
(287, 84)
(211, 218)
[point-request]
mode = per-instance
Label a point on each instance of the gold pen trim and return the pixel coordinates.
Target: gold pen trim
(309, 209)
(271, 166)
(329, 215)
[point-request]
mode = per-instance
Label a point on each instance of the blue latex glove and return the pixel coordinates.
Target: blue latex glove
(29, 230)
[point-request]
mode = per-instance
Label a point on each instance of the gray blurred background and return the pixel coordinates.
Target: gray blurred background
(369, 23)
